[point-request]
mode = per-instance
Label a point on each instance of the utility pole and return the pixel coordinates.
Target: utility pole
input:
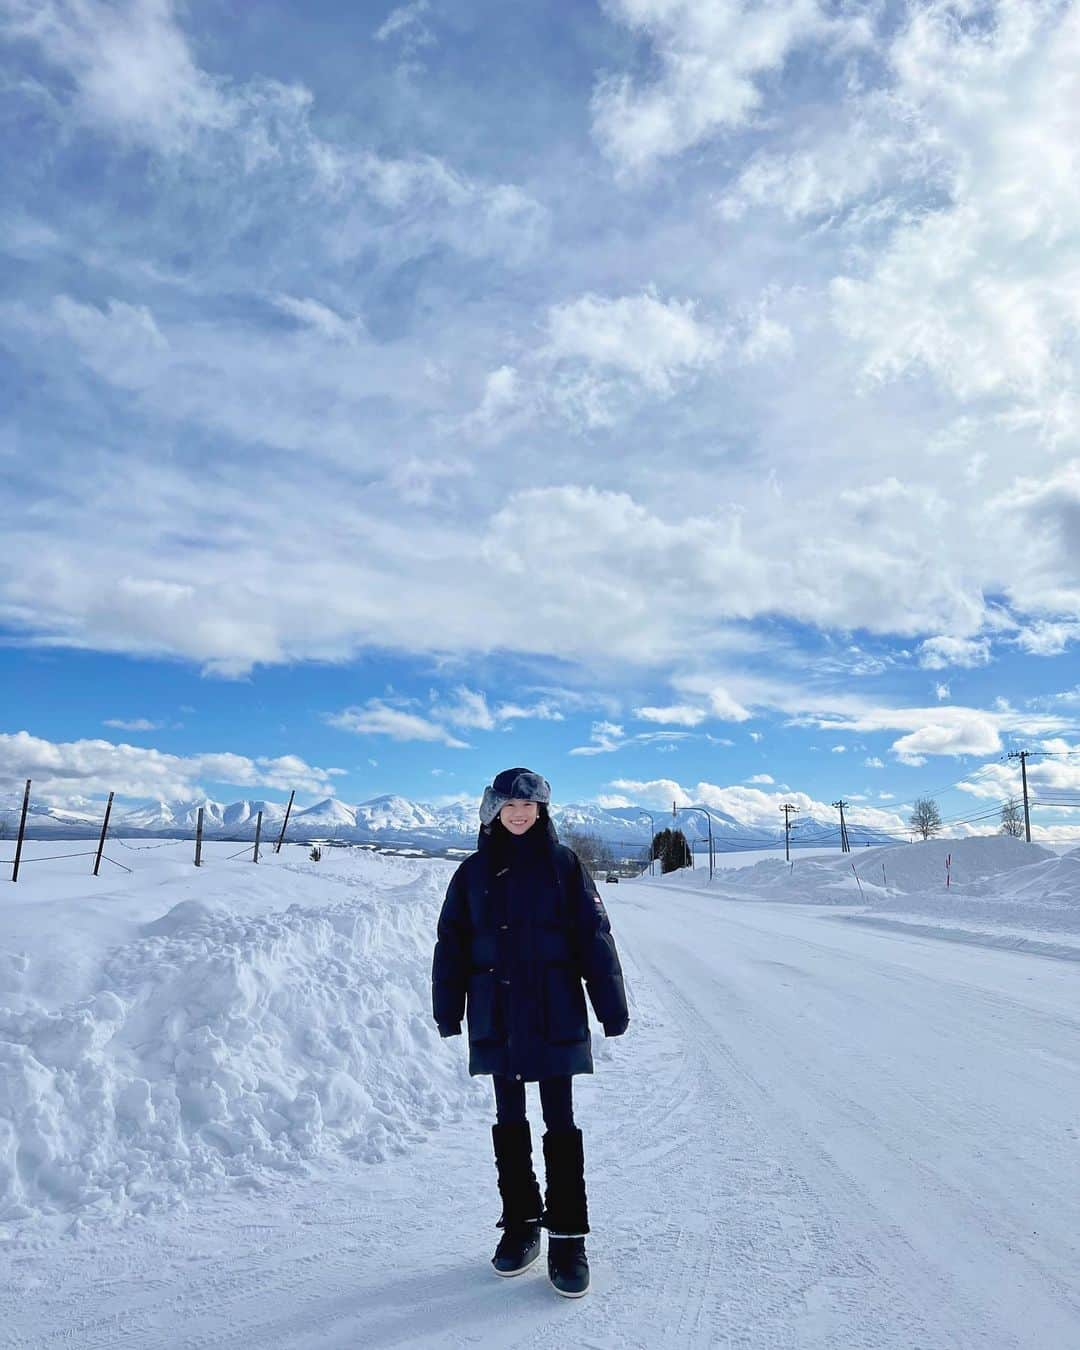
(1022, 756)
(845, 843)
(652, 837)
(788, 811)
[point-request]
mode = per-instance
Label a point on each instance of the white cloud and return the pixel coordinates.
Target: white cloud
(1047, 639)
(62, 769)
(131, 67)
(941, 692)
(749, 805)
(839, 750)
(133, 724)
(948, 729)
(762, 779)
(982, 289)
(681, 715)
(543, 710)
(726, 707)
(651, 340)
(872, 762)
(841, 164)
(605, 737)
(709, 58)
(321, 317)
(469, 708)
(938, 652)
(1057, 776)
(407, 23)
(378, 718)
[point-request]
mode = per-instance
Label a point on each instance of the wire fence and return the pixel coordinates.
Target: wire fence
(981, 820)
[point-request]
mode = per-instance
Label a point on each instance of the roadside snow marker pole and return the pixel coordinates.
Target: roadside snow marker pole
(884, 879)
(22, 831)
(258, 832)
(948, 870)
(104, 831)
(198, 839)
(858, 882)
(285, 822)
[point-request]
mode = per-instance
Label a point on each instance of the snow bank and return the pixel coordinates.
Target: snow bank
(1001, 891)
(222, 1045)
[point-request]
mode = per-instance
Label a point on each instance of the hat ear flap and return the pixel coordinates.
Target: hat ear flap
(491, 805)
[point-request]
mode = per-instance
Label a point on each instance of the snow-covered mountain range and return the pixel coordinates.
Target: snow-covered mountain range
(396, 820)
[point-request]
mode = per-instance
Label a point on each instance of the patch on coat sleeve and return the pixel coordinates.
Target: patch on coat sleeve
(599, 905)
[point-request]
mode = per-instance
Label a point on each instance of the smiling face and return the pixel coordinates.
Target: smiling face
(518, 816)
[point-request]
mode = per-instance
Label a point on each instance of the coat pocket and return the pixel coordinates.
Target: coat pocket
(565, 1018)
(481, 1010)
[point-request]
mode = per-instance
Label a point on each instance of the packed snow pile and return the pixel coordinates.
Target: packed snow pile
(993, 889)
(222, 1037)
(904, 868)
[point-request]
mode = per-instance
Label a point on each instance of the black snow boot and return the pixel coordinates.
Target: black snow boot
(566, 1213)
(519, 1245)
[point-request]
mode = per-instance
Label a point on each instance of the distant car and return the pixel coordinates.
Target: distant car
(612, 877)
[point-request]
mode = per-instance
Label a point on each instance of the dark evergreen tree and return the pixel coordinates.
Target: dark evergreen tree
(671, 848)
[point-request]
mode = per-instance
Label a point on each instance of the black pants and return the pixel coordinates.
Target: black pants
(556, 1101)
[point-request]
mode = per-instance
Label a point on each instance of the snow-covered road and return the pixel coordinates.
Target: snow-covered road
(816, 1134)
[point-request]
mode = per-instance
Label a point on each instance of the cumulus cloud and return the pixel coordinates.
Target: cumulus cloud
(133, 724)
(981, 290)
(311, 436)
(651, 340)
(378, 718)
(937, 653)
(61, 770)
(1044, 638)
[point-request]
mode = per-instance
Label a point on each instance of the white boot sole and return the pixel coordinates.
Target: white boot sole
(509, 1274)
(565, 1294)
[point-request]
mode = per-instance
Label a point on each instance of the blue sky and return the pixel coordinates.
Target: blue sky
(671, 396)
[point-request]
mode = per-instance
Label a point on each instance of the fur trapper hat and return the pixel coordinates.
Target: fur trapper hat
(513, 785)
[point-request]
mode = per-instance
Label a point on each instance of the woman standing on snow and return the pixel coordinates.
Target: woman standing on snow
(521, 927)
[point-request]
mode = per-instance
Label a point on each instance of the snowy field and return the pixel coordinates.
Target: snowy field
(841, 1118)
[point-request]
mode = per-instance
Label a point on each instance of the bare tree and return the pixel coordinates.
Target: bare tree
(590, 848)
(1012, 818)
(925, 818)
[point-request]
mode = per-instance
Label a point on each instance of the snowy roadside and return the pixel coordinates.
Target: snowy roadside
(175, 1033)
(995, 891)
(172, 1033)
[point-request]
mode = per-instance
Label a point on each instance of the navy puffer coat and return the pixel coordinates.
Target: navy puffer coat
(521, 927)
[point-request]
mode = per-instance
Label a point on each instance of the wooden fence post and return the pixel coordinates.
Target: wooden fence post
(284, 823)
(198, 839)
(258, 832)
(104, 831)
(22, 831)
